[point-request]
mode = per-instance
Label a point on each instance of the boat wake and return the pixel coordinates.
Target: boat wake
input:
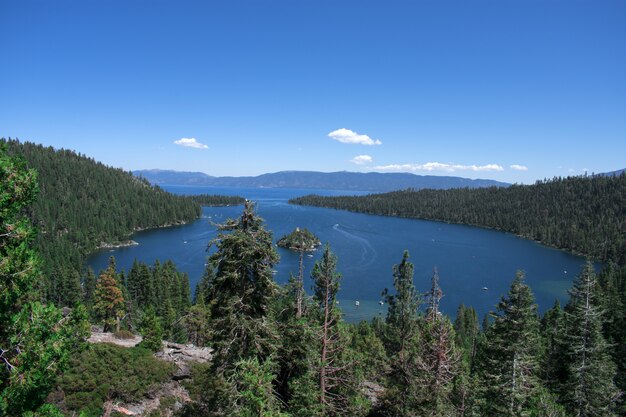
(368, 253)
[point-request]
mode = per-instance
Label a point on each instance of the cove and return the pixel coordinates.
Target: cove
(468, 259)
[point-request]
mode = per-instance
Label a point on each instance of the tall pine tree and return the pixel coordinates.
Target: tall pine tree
(590, 389)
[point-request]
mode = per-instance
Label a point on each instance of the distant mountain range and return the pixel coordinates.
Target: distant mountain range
(614, 173)
(349, 181)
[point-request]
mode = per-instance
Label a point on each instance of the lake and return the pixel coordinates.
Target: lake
(468, 259)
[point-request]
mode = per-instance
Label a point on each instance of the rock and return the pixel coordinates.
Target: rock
(106, 337)
(372, 391)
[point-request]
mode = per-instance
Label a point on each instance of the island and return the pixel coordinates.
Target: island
(300, 240)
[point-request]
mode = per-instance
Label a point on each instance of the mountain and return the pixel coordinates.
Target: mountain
(349, 181)
(613, 173)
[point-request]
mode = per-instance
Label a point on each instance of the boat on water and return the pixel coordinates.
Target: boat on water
(485, 288)
(357, 303)
(381, 302)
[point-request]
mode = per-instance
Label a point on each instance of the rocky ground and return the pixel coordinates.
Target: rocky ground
(168, 397)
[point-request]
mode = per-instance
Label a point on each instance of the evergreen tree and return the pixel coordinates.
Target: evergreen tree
(590, 389)
(509, 358)
(89, 287)
(467, 332)
(401, 342)
(196, 324)
(337, 386)
(240, 294)
(439, 359)
(108, 298)
(553, 370)
(36, 341)
(152, 331)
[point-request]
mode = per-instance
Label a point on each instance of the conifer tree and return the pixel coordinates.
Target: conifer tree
(36, 341)
(108, 298)
(590, 389)
(240, 294)
(553, 370)
(467, 332)
(337, 385)
(401, 342)
(326, 286)
(152, 331)
(509, 358)
(439, 358)
(89, 287)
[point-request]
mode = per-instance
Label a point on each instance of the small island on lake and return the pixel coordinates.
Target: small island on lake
(301, 240)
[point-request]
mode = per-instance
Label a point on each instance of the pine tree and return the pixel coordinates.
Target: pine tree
(36, 341)
(152, 331)
(240, 294)
(553, 370)
(467, 332)
(108, 299)
(401, 342)
(509, 358)
(89, 287)
(337, 384)
(590, 390)
(439, 358)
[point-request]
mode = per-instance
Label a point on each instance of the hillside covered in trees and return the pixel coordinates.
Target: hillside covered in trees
(83, 204)
(585, 215)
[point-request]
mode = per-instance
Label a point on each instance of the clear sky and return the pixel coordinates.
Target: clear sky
(508, 90)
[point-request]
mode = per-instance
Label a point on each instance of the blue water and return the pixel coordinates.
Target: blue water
(467, 258)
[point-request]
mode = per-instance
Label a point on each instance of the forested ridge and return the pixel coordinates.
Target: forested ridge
(83, 204)
(585, 215)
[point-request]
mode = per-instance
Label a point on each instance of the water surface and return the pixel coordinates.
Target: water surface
(468, 259)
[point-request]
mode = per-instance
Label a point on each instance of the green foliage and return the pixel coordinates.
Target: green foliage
(299, 240)
(508, 361)
(242, 288)
(590, 389)
(580, 214)
(151, 331)
(255, 393)
(35, 340)
(401, 338)
(108, 298)
(85, 204)
(106, 371)
(467, 332)
(216, 200)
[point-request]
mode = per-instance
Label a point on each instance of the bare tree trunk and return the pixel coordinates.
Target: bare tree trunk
(299, 294)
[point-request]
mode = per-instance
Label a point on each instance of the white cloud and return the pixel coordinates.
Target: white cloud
(438, 166)
(190, 143)
(362, 159)
(519, 167)
(348, 136)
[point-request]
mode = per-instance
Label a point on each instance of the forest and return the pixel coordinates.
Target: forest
(275, 354)
(84, 204)
(585, 215)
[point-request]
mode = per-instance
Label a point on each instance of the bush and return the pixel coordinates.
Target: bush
(106, 371)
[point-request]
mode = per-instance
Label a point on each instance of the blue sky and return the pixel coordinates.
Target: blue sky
(509, 90)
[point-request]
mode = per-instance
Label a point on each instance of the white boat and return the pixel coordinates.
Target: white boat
(381, 302)
(485, 288)
(356, 303)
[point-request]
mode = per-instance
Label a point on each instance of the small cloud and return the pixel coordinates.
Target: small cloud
(362, 159)
(519, 167)
(571, 170)
(348, 136)
(190, 143)
(438, 166)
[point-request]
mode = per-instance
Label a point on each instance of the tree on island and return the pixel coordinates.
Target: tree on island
(300, 240)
